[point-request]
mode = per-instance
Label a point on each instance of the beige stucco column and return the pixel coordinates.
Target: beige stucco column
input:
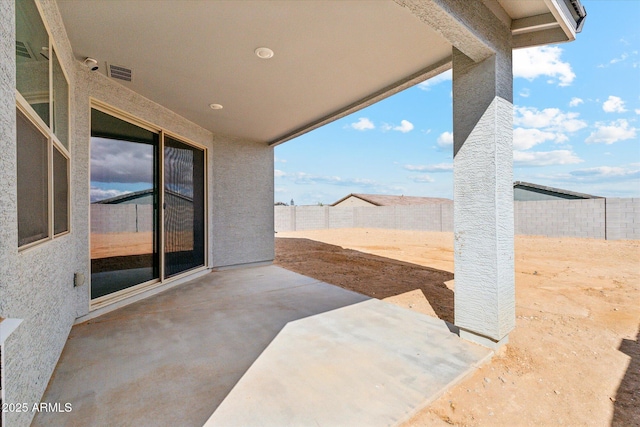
(483, 197)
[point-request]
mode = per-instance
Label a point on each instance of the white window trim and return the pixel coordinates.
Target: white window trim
(53, 142)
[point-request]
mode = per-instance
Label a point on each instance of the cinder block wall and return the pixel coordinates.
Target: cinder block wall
(311, 217)
(423, 217)
(574, 218)
(378, 217)
(612, 219)
(623, 219)
(340, 217)
(127, 218)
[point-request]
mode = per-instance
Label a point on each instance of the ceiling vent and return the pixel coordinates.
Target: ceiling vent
(120, 73)
(23, 50)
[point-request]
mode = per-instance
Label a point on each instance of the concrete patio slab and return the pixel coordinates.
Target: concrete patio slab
(368, 364)
(259, 346)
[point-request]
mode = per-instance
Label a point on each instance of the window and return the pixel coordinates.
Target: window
(148, 221)
(124, 205)
(32, 182)
(60, 192)
(32, 58)
(42, 128)
(60, 122)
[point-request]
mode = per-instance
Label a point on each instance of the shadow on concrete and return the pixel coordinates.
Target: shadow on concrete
(626, 408)
(371, 275)
(171, 359)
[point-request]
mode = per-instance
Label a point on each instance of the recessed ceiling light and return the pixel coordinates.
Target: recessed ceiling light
(264, 53)
(216, 106)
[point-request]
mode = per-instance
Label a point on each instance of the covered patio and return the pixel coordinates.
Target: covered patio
(202, 92)
(256, 346)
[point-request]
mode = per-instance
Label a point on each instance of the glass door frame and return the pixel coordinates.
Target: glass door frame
(100, 302)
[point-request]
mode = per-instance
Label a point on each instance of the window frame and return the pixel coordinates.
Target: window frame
(53, 142)
(39, 125)
(106, 300)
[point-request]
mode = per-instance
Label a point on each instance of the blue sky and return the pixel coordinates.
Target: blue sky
(576, 125)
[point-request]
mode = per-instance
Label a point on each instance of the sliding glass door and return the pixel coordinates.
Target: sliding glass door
(124, 205)
(133, 241)
(183, 207)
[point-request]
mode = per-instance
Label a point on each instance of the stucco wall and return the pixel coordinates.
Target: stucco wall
(241, 203)
(37, 284)
(8, 200)
(8, 212)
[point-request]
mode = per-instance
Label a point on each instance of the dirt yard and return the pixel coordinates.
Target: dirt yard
(574, 357)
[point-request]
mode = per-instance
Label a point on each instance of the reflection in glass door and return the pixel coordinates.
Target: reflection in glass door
(124, 201)
(184, 243)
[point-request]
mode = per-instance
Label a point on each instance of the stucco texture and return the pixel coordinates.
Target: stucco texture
(37, 284)
(39, 288)
(483, 194)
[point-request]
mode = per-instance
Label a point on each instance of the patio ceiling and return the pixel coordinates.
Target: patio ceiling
(330, 58)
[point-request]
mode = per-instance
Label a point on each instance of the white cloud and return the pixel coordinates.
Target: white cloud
(440, 167)
(277, 160)
(354, 184)
(542, 61)
(305, 178)
(363, 123)
(445, 140)
(614, 104)
(608, 173)
(608, 133)
(404, 127)
(549, 119)
(523, 139)
(442, 77)
(575, 102)
(637, 110)
(422, 179)
(120, 161)
(278, 173)
(102, 194)
(525, 93)
(623, 57)
(544, 158)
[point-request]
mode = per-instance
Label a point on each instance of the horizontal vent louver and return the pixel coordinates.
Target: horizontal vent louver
(22, 50)
(120, 73)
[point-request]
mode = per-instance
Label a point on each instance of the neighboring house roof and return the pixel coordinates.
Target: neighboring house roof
(389, 200)
(137, 195)
(552, 190)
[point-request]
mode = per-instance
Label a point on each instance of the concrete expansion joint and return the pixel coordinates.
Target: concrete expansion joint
(286, 288)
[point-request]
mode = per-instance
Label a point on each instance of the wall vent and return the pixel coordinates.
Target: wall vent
(120, 73)
(23, 50)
